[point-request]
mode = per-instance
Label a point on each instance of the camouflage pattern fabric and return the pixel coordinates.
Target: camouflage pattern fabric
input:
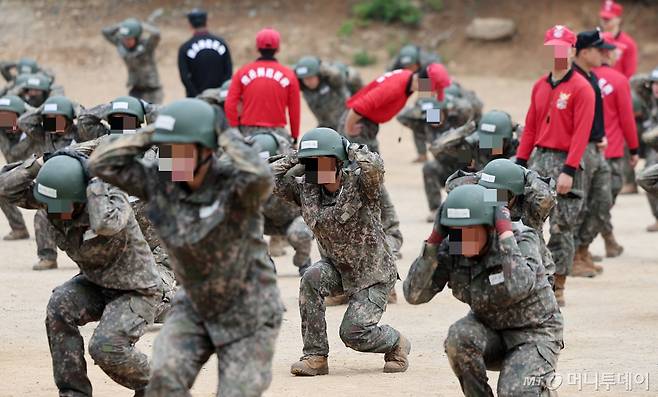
(598, 196)
(435, 174)
(143, 79)
(14, 216)
(44, 236)
(368, 135)
(327, 101)
(617, 168)
(548, 163)
(390, 222)
(31, 124)
(514, 325)
(647, 180)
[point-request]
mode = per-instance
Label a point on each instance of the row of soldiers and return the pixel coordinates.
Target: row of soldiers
(202, 187)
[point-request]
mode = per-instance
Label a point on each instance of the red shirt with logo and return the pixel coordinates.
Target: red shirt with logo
(384, 97)
(560, 117)
(618, 112)
(627, 62)
(265, 89)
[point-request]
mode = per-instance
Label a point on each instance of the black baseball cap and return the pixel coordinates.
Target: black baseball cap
(592, 39)
(197, 17)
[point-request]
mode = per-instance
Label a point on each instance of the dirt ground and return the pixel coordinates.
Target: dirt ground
(610, 320)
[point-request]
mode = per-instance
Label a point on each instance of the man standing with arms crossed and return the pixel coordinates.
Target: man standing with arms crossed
(558, 124)
(264, 88)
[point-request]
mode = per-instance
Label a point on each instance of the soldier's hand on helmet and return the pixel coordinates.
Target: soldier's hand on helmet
(564, 183)
(439, 232)
(503, 222)
(353, 150)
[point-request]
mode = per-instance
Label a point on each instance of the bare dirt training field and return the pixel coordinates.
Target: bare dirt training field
(611, 320)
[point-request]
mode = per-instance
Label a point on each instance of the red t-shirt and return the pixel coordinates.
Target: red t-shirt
(383, 98)
(617, 111)
(627, 62)
(560, 117)
(265, 88)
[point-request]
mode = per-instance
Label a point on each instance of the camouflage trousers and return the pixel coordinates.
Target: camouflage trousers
(598, 196)
(184, 345)
(122, 316)
(43, 234)
(359, 329)
(420, 135)
(390, 222)
(435, 175)
(368, 135)
(14, 216)
(617, 169)
(562, 218)
(628, 173)
(300, 237)
(250, 130)
(150, 95)
(525, 369)
(648, 180)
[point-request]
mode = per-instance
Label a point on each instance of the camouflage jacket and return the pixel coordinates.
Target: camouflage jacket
(327, 101)
(279, 213)
(347, 224)
(92, 123)
(17, 146)
(31, 123)
(105, 240)
(214, 235)
(506, 288)
(142, 69)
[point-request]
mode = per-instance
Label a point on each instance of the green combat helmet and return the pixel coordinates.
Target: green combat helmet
(307, 66)
(223, 91)
(466, 206)
(188, 120)
(58, 105)
(453, 90)
(37, 81)
(494, 127)
(27, 66)
(503, 174)
(12, 103)
(60, 183)
(266, 145)
(128, 105)
(322, 141)
(130, 27)
(409, 55)
(428, 105)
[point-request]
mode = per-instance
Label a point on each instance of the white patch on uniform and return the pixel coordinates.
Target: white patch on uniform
(47, 191)
(459, 213)
(50, 107)
(22, 137)
(325, 89)
(302, 70)
(309, 145)
(488, 127)
(488, 178)
(5, 102)
(264, 155)
(129, 131)
(33, 81)
(165, 122)
(119, 105)
(427, 106)
(124, 30)
(208, 210)
(496, 278)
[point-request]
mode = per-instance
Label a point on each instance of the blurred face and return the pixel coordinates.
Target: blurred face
(129, 42)
(55, 124)
(654, 89)
(311, 82)
(610, 25)
(34, 97)
(609, 57)
(320, 170)
(180, 159)
(124, 123)
(414, 67)
(591, 57)
(559, 56)
(8, 121)
(468, 241)
(75, 209)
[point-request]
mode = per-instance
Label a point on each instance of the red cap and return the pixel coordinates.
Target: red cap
(439, 77)
(268, 38)
(610, 10)
(609, 38)
(560, 35)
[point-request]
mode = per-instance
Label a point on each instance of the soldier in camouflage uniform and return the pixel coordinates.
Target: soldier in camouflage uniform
(324, 87)
(118, 285)
(495, 266)
(283, 219)
(413, 58)
(341, 206)
(34, 89)
(15, 146)
(424, 129)
(26, 66)
(650, 137)
(138, 53)
(41, 127)
(467, 148)
(209, 219)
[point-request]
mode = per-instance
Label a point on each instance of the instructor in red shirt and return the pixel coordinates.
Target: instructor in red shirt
(264, 89)
(557, 129)
(384, 97)
(610, 15)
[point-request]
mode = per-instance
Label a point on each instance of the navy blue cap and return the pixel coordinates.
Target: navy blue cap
(197, 17)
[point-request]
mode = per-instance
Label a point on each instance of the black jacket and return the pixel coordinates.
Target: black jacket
(204, 61)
